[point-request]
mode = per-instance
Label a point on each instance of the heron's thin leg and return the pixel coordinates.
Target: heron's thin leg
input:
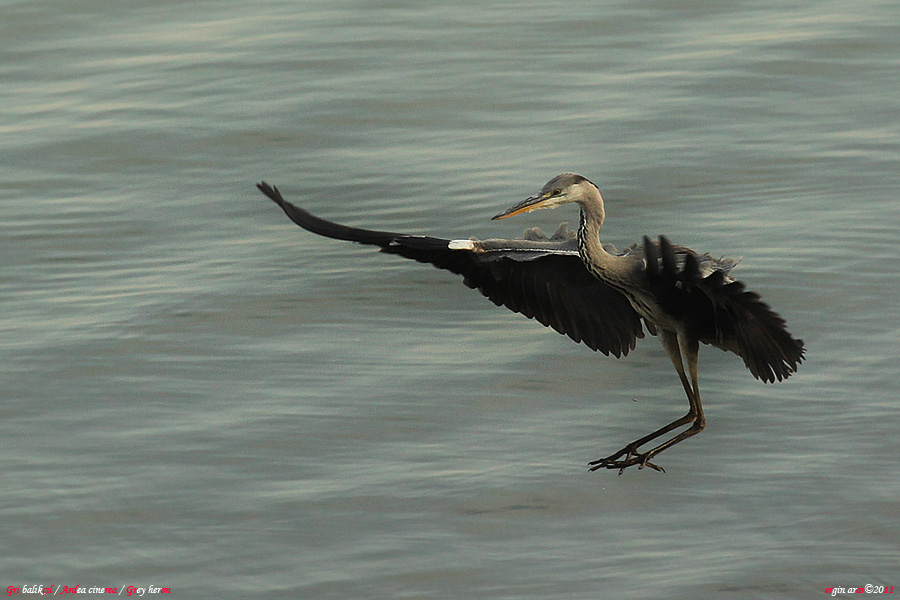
(687, 418)
(676, 346)
(691, 350)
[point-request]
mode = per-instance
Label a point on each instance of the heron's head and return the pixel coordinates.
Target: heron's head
(562, 189)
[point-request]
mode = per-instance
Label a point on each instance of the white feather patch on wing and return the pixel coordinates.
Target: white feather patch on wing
(461, 245)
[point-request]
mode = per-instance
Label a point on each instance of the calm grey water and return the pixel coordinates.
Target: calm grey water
(198, 395)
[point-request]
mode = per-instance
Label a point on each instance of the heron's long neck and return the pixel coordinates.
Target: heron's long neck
(589, 246)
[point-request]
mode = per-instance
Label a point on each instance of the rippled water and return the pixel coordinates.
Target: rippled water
(197, 395)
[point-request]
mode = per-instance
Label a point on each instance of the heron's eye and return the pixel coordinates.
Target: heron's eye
(556, 192)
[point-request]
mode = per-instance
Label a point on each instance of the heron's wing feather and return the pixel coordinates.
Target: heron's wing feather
(542, 279)
(717, 309)
(553, 287)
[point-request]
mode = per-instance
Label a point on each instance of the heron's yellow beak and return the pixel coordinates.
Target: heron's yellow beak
(529, 204)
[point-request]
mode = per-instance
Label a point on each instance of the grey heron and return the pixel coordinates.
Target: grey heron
(602, 297)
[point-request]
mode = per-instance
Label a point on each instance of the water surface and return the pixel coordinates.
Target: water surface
(197, 395)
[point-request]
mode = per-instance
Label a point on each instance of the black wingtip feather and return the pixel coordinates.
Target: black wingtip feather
(669, 264)
(323, 227)
(691, 268)
(768, 349)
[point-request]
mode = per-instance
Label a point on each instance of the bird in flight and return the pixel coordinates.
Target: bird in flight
(602, 297)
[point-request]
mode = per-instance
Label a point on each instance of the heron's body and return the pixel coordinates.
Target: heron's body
(601, 297)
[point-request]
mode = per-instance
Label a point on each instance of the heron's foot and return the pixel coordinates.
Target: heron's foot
(632, 457)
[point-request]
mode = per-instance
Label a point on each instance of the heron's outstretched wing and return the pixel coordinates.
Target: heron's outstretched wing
(543, 279)
(717, 309)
